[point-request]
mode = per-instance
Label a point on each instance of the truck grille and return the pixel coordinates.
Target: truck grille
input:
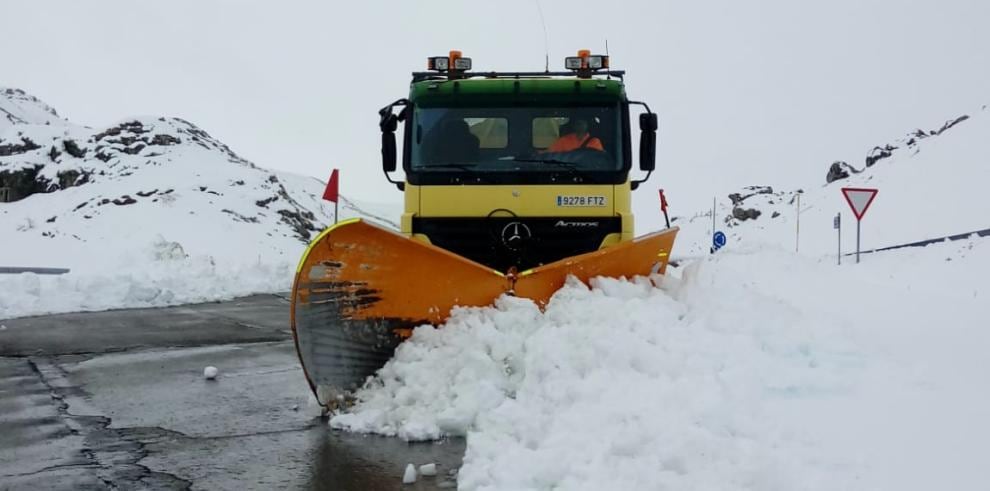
(524, 242)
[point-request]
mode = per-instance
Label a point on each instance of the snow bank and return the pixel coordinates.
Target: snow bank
(157, 275)
(744, 371)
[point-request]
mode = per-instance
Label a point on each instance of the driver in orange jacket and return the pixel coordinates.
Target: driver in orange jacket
(577, 140)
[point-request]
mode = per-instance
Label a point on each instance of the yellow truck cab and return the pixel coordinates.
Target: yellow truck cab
(514, 170)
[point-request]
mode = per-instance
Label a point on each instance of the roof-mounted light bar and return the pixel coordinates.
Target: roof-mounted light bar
(585, 63)
(451, 64)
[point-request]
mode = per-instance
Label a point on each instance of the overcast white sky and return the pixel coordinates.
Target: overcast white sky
(764, 91)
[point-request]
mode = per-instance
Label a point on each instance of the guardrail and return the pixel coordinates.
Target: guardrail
(19, 270)
(922, 243)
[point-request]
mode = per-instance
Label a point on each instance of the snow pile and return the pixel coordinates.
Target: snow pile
(929, 185)
(748, 371)
(147, 212)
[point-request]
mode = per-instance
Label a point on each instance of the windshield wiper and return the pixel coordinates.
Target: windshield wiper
(449, 167)
(476, 174)
(571, 167)
(546, 161)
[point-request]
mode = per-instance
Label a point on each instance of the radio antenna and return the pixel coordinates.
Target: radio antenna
(608, 71)
(546, 38)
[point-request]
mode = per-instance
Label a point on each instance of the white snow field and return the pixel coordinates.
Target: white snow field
(148, 212)
(758, 370)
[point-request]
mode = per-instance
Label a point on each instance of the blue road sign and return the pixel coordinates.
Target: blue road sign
(718, 240)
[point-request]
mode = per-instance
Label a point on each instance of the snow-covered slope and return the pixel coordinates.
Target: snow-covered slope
(18, 107)
(149, 211)
(931, 185)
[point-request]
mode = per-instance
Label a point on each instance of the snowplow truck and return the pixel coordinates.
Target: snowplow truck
(513, 182)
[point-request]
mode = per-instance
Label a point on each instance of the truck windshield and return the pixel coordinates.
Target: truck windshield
(516, 139)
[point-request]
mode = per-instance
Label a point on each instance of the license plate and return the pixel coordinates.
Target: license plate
(588, 201)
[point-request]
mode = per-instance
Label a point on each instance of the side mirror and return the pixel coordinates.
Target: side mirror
(648, 122)
(388, 151)
(648, 141)
(388, 122)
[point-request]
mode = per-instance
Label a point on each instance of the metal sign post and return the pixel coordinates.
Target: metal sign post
(713, 249)
(858, 225)
(837, 224)
(713, 215)
(859, 200)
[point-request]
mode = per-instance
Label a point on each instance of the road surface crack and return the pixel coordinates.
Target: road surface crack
(114, 453)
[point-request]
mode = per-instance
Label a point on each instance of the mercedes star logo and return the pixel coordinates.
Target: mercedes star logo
(515, 235)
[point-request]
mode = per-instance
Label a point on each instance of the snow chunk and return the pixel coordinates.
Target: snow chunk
(210, 373)
(428, 470)
(409, 476)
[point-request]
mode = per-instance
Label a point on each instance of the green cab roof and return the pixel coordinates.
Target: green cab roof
(521, 91)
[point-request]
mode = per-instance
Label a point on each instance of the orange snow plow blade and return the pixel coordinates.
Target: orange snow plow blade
(360, 289)
(641, 256)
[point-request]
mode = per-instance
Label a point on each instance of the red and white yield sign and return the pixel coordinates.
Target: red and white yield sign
(859, 199)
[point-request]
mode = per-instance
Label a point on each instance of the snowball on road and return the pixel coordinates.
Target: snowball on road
(409, 476)
(210, 373)
(760, 370)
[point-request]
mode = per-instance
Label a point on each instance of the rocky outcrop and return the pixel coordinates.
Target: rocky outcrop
(24, 146)
(160, 172)
(749, 192)
(754, 202)
(21, 183)
(19, 107)
(743, 211)
(840, 170)
(743, 214)
(879, 153)
(65, 161)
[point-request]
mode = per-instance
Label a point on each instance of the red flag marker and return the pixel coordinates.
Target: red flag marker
(333, 186)
(663, 208)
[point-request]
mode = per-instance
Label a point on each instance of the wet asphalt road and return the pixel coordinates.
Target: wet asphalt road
(117, 400)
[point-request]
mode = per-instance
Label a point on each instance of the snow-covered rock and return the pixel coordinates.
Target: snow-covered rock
(18, 107)
(149, 211)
